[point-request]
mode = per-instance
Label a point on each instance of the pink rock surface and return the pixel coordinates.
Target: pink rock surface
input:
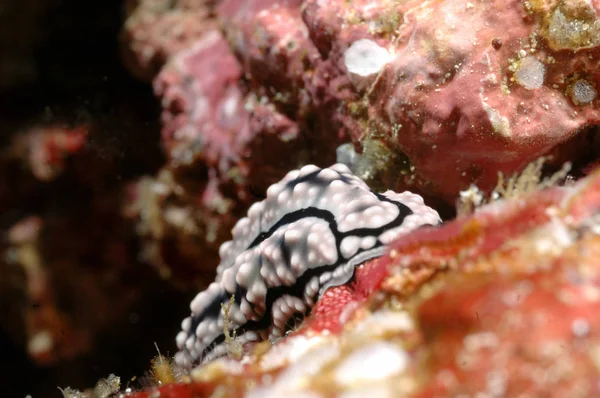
(203, 111)
(210, 119)
(481, 90)
(156, 29)
(485, 303)
(487, 88)
(272, 43)
(303, 77)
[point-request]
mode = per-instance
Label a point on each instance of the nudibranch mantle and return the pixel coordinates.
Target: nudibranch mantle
(310, 232)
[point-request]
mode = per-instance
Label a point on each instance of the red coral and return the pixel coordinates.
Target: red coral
(467, 89)
(497, 298)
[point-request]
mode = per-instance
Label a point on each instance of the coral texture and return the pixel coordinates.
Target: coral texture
(488, 88)
(463, 105)
(156, 29)
(481, 305)
(429, 96)
(251, 90)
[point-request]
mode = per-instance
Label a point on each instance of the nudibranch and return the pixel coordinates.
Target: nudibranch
(314, 227)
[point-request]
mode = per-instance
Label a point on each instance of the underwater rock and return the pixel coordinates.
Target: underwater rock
(450, 308)
(455, 106)
(156, 29)
(489, 87)
(463, 106)
(459, 91)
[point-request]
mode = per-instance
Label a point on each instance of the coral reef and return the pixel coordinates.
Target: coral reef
(467, 106)
(499, 302)
(156, 29)
(255, 89)
(436, 97)
(425, 87)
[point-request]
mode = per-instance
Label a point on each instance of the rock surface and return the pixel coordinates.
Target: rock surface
(433, 104)
(429, 96)
(484, 304)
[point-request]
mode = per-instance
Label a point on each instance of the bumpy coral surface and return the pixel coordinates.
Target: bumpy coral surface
(500, 302)
(488, 87)
(433, 96)
(156, 29)
(250, 90)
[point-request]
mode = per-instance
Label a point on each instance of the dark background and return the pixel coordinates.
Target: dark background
(59, 62)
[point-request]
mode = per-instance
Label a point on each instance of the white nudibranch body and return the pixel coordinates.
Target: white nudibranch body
(314, 227)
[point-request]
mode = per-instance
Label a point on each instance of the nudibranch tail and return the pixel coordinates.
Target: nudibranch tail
(310, 232)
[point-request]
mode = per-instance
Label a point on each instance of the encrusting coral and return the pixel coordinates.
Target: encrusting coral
(434, 104)
(449, 308)
(435, 97)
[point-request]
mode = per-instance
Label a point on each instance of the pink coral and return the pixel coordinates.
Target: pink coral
(464, 109)
(204, 111)
(454, 106)
(437, 96)
(156, 29)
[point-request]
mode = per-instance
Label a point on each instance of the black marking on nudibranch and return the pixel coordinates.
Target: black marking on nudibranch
(314, 227)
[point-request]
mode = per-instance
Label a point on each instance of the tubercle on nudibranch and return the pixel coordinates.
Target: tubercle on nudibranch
(314, 227)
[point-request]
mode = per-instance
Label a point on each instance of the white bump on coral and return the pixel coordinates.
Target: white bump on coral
(373, 362)
(530, 73)
(384, 322)
(582, 92)
(291, 350)
(365, 57)
(306, 357)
